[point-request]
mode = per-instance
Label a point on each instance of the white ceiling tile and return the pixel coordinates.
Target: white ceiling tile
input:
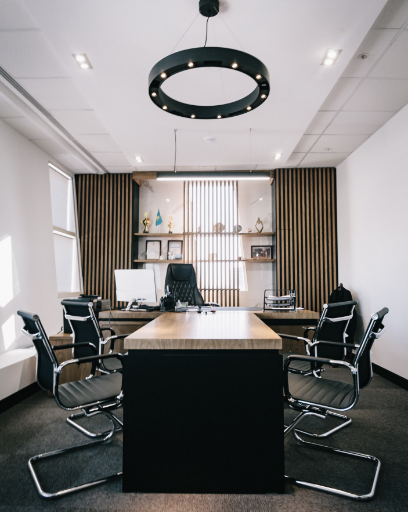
(294, 159)
(79, 121)
(50, 146)
(394, 14)
(338, 143)
(394, 64)
(25, 126)
(305, 143)
(377, 94)
(112, 159)
(118, 169)
(101, 143)
(320, 121)
(358, 122)
(373, 45)
(7, 109)
(29, 54)
(55, 93)
(323, 159)
(71, 162)
(341, 91)
(14, 15)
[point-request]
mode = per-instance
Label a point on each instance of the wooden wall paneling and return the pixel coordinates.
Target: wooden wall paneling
(307, 234)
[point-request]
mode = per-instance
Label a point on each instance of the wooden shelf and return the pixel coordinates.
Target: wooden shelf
(159, 235)
(230, 233)
(256, 260)
(158, 261)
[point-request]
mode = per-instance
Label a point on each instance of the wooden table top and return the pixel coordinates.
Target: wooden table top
(221, 330)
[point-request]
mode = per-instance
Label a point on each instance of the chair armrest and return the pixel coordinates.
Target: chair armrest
(89, 359)
(75, 345)
(291, 337)
(306, 331)
(108, 329)
(338, 344)
(112, 339)
(321, 360)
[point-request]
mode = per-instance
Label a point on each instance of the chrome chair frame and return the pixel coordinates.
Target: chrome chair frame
(317, 370)
(89, 410)
(319, 410)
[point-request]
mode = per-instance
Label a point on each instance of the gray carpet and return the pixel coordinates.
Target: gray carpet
(379, 428)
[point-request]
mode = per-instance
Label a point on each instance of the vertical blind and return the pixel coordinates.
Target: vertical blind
(307, 234)
(211, 245)
(105, 229)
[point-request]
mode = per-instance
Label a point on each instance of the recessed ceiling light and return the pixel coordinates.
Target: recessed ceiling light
(192, 116)
(164, 107)
(190, 64)
(235, 65)
(219, 117)
(168, 200)
(260, 198)
(139, 159)
(154, 94)
(278, 156)
(258, 77)
(330, 57)
(249, 108)
(263, 96)
(82, 60)
(163, 75)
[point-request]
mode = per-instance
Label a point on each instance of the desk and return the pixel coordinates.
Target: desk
(203, 407)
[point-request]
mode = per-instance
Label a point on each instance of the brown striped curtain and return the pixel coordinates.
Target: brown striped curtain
(306, 235)
(105, 230)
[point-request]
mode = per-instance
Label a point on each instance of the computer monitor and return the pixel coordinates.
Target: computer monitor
(135, 285)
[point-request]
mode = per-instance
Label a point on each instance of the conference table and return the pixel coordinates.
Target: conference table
(203, 405)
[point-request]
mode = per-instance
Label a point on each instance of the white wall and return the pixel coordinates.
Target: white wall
(26, 249)
(254, 200)
(372, 188)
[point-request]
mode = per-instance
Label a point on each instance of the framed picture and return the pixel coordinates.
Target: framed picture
(175, 250)
(153, 249)
(261, 252)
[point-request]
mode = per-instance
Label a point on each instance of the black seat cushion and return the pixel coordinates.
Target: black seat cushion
(87, 391)
(330, 393)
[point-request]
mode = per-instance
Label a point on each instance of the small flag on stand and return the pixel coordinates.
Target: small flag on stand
(158, 218)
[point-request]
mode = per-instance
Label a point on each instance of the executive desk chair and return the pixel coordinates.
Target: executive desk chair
(94, 395)
(181, 280)
(317, 397)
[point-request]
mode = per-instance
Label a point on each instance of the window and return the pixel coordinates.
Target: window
(212, 242)
(65, 232)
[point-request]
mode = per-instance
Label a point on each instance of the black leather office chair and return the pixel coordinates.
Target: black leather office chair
(85, 327)
(316, 397)
(93, 395)
(329, 341)
(181, 280)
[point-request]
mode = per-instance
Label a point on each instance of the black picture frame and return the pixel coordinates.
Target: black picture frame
(262, 252)
(147, 248)
(175, 241)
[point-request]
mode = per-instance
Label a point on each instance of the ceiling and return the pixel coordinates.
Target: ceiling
(315, 115)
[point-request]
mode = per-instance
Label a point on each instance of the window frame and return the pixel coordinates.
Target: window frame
(56, 230)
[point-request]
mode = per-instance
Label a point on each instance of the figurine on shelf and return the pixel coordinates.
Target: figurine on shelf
(256, 225)
(146, 222)
(170, 225)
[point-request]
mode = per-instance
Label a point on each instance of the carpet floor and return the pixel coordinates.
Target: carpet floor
(379, 428)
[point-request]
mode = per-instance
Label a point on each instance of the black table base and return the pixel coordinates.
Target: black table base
(203, 421)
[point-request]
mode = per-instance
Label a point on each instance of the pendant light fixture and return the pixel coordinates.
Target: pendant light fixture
(205, 57)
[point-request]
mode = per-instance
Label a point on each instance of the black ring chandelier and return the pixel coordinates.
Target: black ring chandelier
(206, 57)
